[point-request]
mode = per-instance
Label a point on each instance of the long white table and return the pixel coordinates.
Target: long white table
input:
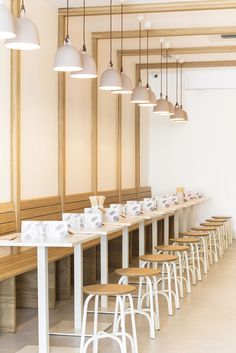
(42, 246)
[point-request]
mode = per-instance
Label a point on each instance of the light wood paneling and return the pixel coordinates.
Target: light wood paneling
(7, 306)
(7, 218)
(129, 194)
(154, 7)
(145, 191)
(41, 209)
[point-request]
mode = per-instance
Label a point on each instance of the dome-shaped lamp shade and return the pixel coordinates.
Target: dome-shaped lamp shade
(126, 85)
(110, 80)
(171, 108)
(27, 36)
(67, 59)
(140, 95)
(152, 99)
(162, 107)
(179, 114)
(89, 67)
(7, 25)
(184, 116)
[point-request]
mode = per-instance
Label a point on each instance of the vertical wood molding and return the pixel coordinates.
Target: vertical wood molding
(15, 127)
(61, 121)
(94, 121)
(137, 139)
(119, 139)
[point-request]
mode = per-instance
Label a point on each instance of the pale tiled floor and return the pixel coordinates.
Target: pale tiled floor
(206, 322)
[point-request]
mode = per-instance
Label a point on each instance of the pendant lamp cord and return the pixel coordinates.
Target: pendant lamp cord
(67, 38)
(22, 8)
(161, 70)
(121, 35)
(111, 63)
(140, 50)
(147, 57)
(167, 87)
(177, 82)
(84, 15)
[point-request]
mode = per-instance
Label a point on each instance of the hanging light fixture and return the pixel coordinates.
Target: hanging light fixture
(126, 81)
(7, 25)
(181, 93)
(67, 58)
(171, 106)
(179, 115)
(140, 94)
(162, 106)
(111, 78)
(27, 36)
(88, 63)
(152, 97)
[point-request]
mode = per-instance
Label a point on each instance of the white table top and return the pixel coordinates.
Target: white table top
(104, 230)
(68, 242)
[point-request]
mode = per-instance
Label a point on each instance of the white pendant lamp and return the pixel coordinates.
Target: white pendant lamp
(185, 115)
(27, 36)
(162, 105)
(88, 63)
(152, 97)
(178, 112)
(171, 106)
(7, 25)
(67, 58)
(126, 81)
(140, 94)
(110, 79)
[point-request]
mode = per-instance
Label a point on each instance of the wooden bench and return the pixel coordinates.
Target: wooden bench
(18, 283)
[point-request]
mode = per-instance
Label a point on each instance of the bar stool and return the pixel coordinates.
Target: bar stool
(224, 228)
(148, 277)
(193, 243)
(229, 226)
(182, 253)
(205, 255)
(168, 264)
(121, 293)
(220, 230)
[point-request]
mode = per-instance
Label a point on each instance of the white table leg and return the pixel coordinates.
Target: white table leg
(141, 239)
(154, 234)
(184, 224)
(125, 247)
(176, 224)
(166, 230)
(104, 267)
(78, 285)
(43, 312)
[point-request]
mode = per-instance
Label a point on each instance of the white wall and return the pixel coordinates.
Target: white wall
(199, 154)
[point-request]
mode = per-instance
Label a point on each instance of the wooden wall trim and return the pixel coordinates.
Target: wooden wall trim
(61, 121)
(154, 8)
(194, 64)
(94, 122)
(187, 50)
(15, 125)
(169, 32)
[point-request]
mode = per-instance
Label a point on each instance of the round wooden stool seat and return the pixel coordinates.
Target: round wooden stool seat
(195, 234)
(109, 289)
(137, 272)
(172, 248)
(209, 224)
(204, 229)
(219, 220)
(222, 217)
(158, 258)
(185, 240)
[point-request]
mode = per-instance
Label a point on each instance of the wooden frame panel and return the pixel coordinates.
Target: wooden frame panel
(154, 8)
